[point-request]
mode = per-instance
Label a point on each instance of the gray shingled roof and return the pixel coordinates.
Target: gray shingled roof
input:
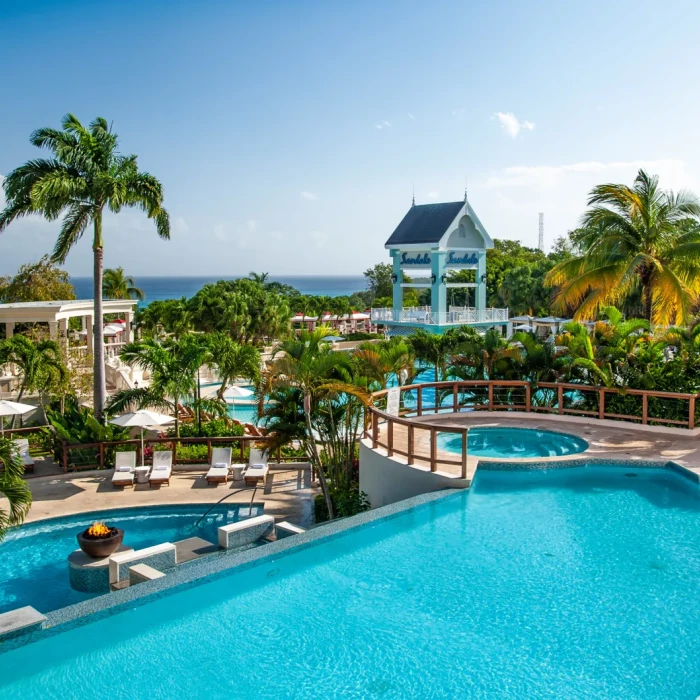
(425, 223)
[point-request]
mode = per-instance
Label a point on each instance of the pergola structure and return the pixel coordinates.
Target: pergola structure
(57, 313)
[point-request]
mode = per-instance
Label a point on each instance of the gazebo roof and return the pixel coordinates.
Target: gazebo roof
(425, 223)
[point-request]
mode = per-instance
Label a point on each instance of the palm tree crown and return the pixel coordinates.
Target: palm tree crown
(634, 238)
(117, 285)
(85, 175)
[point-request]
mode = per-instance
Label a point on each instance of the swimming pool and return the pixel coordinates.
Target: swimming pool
(511, 443)
(578, 582)
(33, 566)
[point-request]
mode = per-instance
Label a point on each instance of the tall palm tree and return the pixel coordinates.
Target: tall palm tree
(232, 360)
(435, 349)
(634, 238)
(13, 487)
(259, 277)
(117, 285)
(380, 362)
(172, 366)
(85, 175)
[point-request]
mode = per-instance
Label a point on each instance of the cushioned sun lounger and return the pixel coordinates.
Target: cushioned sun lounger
(124, 466)
(257, 467)
(220, 465)
(22, 447)
(162, 468)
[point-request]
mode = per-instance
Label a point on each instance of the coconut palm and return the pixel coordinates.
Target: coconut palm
(435, 348)
(85, 175)
(380, 362)
(117, 285)
(634, 238)
(259, 277)
(172, 366)
(232, 360)
(13, 487)
(40, 363)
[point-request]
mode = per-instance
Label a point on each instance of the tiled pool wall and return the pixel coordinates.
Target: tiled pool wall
(210, 568)
(495, 465)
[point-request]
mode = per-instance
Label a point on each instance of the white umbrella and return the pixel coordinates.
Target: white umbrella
(11, 408)
(237, 392)
(142, 419)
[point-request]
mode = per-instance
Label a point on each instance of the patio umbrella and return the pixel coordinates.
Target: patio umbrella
(237, 392)
(141, 419)
(10, 408)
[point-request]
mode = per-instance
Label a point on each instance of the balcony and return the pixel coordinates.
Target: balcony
(424, 315)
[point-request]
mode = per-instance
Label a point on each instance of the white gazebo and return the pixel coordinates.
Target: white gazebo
(57, 313)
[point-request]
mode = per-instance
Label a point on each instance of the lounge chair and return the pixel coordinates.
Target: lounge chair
(257, 469)
(124, 469)
(162, 468)
(22, 449)
(220, 465)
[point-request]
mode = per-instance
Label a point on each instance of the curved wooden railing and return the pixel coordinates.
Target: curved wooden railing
(649, 408)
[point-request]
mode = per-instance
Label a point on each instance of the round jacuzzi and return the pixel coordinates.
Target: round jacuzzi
(513, 443)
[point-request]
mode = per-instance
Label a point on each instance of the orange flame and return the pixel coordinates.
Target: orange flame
(98, 530)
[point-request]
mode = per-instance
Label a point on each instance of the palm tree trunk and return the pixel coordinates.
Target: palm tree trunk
(646, 295)
(99, 388)
(319, 466)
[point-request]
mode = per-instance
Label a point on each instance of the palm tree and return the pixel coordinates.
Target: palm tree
(172, 366)
(634, 238)
(13, 487)
(232, 360)
(259, 277)
(40, 363)
(379, 362)
(85, 175)
(579, 353)
(434, 348)
(116, 285)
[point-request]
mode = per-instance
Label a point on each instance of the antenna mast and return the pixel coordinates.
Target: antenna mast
(541, 241)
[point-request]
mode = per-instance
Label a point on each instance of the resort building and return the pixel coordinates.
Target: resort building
(431, 241)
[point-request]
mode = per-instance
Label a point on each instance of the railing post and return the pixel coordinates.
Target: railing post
(208, 451)
(390, 437)
(65, 456)
(490, 395)
(528, 397)
(102, 455)
(174, 444)
(375, 431)
(242, 444)
(465, 441)
(419, 401)
(455, 398)
(601, 404)
(560, 400)
(411, 439)
(645, 408)
(433, 449)
(691, 413)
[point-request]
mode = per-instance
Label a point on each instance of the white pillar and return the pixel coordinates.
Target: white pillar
(63, 331)
(129, 318)
(89, 320)
(9, 329)
(53, 330)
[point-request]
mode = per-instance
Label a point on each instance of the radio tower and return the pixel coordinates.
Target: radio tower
(541, 245)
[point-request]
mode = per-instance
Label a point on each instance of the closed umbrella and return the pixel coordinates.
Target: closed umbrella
(11, 408)
(142, 419)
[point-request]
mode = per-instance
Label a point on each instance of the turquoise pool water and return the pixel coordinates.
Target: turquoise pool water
(578, 583)
(33, 566)
(512, 443)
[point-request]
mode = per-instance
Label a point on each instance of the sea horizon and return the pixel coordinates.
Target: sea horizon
(160, 287)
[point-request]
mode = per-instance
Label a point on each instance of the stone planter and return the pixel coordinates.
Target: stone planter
(101, 548)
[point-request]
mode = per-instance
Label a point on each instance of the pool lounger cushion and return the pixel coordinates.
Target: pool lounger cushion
(122, 477)
(160, 474)
(217, 474)
(255, 473)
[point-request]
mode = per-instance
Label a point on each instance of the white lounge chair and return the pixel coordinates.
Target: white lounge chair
(22, 449)
(124, 469)
(257, 467)
(162, 468)
(220, 465)
(237, 470)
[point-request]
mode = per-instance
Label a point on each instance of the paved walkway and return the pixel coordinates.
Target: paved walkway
(608, 439)
(287, 494)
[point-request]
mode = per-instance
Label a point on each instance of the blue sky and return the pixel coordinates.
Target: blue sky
(288, 134)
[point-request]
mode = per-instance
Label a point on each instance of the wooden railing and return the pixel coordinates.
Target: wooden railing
(100, 455)
(649, 408)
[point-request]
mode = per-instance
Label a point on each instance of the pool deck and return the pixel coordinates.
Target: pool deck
(607, 439)
(287, 494)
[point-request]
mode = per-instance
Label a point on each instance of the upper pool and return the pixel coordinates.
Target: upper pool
(33, 558)
(576, 583)
(511, 443)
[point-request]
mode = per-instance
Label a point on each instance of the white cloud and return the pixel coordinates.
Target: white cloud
(384, 125)
(433, 194)
(180, 225)
(511, 125)
(411, 117)
(672, 173)
(319, 238)
(311, 196)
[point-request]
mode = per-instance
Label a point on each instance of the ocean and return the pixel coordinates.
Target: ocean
(175, 287)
